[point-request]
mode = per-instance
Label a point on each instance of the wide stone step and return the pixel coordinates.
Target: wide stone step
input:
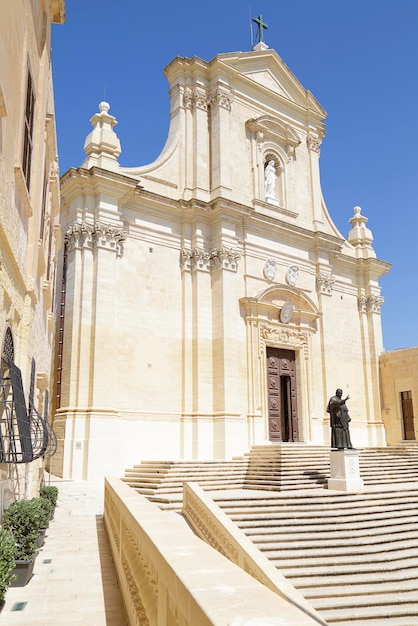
(304, 581)
(388, 598)
(344, 552)
(340, 545)
(363, 537)
(326, 517)
(328, 505)
(352, 567)
(360, 614)
(309, 528)
(303, 501)
(350, 590)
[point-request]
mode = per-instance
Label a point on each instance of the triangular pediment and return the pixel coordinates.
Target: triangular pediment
(267, 70)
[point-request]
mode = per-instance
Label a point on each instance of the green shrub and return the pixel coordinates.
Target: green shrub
(7, 561)
(22, 520)
(43, 511)
(50, 493)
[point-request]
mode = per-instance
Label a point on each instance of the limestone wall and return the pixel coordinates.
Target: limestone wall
(29, 199)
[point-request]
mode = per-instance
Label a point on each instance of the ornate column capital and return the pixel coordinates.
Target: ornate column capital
(98, 235)
(78, 235)
(325, 283)
(195, 97)
(225, 258)
(370, 304)
(221, 97)
(198, 258)
(313, 143)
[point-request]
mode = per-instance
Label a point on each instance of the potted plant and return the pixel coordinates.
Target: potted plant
(21, 519)
(42, 509)
(7, 562)
(50, 492)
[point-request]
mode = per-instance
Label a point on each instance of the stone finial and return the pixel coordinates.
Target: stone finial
(102, 145)
(360, 236)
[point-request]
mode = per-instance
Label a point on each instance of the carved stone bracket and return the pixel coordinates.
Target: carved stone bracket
(84, 235)
(279, 336)
(226, 258)
(325, 284)
(370, 304)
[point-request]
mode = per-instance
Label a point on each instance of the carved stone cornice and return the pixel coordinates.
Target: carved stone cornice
(370, 304)
(325, 283)
(296, 339)
(217, 258)
(83, 235)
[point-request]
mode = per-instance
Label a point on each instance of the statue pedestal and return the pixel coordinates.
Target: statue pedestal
(345, 471)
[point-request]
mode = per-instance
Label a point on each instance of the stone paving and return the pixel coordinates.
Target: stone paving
(74, 581)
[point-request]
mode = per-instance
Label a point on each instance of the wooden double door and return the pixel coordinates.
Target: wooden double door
(281, 392)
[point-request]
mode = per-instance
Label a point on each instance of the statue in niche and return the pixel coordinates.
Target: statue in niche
(270, 179)
(339, 421)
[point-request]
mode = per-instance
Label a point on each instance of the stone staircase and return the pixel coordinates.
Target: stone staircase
(353, 556)
(162, 481)
(281, 467)
(300, 466)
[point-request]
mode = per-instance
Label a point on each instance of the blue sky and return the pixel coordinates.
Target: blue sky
(358, 57)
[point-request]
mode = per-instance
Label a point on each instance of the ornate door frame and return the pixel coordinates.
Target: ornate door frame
(265, 329)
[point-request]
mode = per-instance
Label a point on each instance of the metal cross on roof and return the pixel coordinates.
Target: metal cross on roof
(261, 25)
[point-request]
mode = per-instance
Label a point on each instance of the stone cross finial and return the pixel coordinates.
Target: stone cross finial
(261, 25)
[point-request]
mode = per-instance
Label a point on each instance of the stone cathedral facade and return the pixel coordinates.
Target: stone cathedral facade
(208, 301)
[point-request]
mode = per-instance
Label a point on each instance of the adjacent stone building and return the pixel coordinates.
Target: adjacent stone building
(29, 236)
(210, 301)
(399, 382)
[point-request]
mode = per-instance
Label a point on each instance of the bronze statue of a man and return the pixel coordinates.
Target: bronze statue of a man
(339, 420)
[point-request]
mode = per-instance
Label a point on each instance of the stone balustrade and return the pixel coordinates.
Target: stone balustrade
(169, 576)
(210, 523)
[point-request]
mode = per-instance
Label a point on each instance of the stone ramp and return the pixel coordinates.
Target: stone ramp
(353, 556)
